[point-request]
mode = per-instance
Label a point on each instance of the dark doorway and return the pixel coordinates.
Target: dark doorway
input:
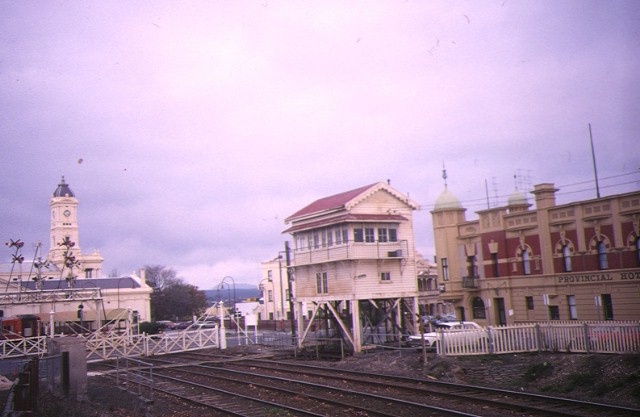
(500, 312)
(461, 314)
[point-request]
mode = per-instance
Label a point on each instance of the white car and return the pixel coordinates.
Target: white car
(459, 331)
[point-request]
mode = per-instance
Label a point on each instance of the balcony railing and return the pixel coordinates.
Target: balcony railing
(470, 282)
(352, 251)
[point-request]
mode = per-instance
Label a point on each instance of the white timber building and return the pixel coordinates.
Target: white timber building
(354, 264)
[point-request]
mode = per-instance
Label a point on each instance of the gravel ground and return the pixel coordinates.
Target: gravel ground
(598, 378)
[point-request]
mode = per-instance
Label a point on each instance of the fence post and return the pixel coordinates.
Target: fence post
(490, 339)
(538, 337)
(586, 337)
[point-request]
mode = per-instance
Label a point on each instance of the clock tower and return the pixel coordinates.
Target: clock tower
(64, 221)
(64, 227)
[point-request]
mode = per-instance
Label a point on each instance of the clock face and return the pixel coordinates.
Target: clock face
(67, 213)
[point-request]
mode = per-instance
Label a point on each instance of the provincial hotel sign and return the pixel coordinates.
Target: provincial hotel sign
(599, 277)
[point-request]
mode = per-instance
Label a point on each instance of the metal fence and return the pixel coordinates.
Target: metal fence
(136, 377)
(21, 400)
(581, 337)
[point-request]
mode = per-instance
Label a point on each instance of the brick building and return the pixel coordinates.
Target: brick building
(576, 261)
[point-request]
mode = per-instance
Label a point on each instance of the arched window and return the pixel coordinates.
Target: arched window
(564, 250)
(478, 308)
(603, 262)
(523, 254)
(566, 258)
(526, 263)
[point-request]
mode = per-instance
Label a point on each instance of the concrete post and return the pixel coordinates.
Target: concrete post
(74, 365)
(223, 332)
(52, 328)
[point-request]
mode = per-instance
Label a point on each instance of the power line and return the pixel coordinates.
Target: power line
(481, 201)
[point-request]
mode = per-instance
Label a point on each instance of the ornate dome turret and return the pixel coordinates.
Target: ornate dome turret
(518, 198)
(446, 200)
(63, 190)
(517, 202)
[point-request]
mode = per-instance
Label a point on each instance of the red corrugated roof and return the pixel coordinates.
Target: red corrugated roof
(331, 202)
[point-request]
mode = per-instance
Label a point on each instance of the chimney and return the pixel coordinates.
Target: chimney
(545, 195)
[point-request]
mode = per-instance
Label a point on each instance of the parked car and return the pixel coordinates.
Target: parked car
(460, 331)
(183, 325)
(439, 319)
(167, 324)
(207, 323)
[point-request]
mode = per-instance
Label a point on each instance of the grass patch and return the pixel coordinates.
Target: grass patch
(580, 380)
(537, 371)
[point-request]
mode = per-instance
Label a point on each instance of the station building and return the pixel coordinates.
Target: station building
(355, 264)
(64, 284)
(516, 264)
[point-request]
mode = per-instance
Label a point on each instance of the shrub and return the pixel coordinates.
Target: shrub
(150, 327)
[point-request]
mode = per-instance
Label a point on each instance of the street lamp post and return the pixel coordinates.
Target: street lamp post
(282, 316)
(81, 317)
(290, 281)
(233, 284)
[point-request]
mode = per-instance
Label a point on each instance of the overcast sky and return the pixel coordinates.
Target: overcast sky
(190, 130)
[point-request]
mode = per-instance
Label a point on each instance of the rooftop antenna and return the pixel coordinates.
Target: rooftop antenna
(486, 190)
(595, 168)
(494, 184)
(444, 175)
(522, 181)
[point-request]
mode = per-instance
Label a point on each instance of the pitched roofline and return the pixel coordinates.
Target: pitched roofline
(382, 186)
(347, 200)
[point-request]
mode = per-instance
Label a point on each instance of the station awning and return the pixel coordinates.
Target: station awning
(87, 315)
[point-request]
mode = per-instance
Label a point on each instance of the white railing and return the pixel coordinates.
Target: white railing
(111, 345)
(582, 337)
(352, 250)
(26, 346)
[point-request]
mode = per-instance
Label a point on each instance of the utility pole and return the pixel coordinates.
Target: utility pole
(290, 281)
(595, 168)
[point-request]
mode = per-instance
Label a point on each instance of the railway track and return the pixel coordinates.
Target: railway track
(533, 404)
(252, 386)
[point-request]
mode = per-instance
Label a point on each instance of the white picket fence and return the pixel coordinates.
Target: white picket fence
(581, 337)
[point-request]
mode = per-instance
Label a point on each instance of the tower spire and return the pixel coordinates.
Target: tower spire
(444, 174)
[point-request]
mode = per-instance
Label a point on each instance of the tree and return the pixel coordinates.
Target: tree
(172, 297)
(159, 277)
